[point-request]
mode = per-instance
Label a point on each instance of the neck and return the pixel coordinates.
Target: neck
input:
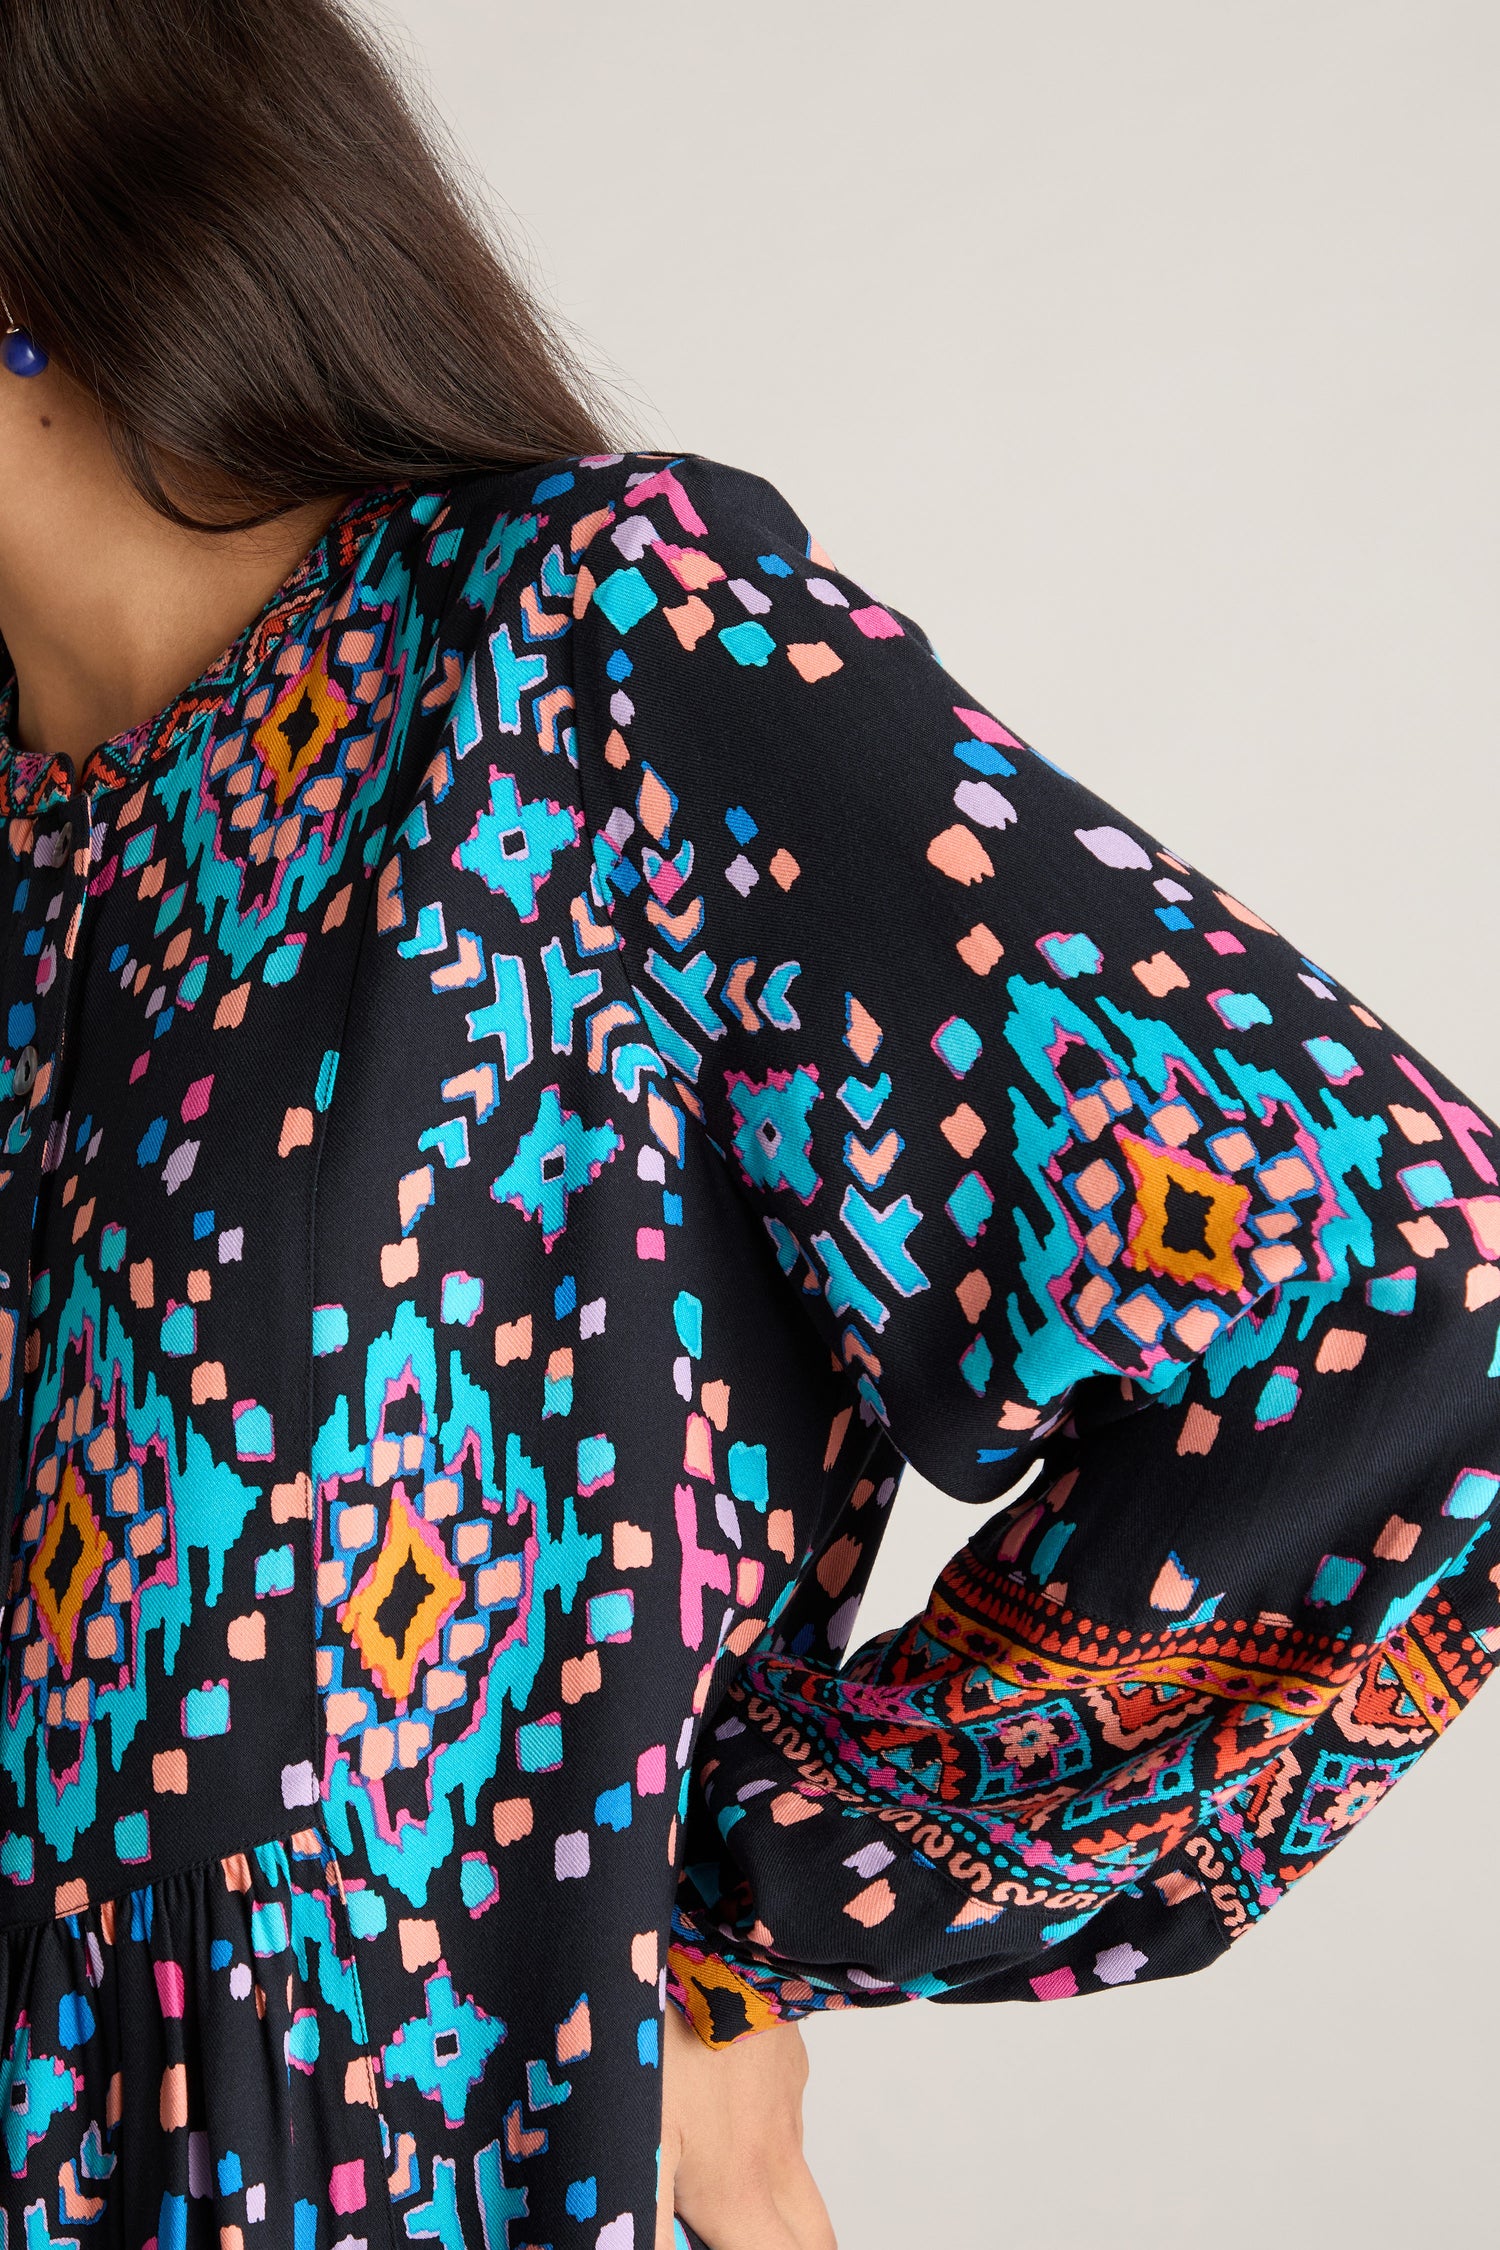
(107, 610)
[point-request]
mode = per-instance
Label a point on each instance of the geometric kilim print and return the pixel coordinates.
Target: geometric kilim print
(528, 1093)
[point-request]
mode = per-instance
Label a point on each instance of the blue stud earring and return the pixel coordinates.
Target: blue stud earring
(22, 354)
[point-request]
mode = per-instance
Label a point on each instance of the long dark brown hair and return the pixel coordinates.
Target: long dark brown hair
(225, 220)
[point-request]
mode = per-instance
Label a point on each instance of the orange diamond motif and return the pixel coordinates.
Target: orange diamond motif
(402, 1603)
(66, 1566)
(301, 724)
(1188, 1217)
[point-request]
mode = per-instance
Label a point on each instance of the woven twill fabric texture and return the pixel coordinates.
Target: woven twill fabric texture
(528, 1093)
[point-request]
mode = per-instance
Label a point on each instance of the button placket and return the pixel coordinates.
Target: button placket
(59, 873)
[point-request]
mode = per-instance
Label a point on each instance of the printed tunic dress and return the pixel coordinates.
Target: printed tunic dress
(528, 1092)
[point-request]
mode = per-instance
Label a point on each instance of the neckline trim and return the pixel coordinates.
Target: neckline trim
(30, 780)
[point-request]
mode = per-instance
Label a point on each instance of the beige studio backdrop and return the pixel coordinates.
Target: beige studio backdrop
(1145, 350)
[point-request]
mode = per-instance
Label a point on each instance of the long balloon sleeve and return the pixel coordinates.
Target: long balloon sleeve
(1071, 1158)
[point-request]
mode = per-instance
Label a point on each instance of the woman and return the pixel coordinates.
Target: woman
(548, 1048)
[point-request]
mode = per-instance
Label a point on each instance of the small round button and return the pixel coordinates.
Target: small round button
(23, 1077)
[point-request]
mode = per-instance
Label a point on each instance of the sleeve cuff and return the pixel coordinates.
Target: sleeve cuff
(728, 1999)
